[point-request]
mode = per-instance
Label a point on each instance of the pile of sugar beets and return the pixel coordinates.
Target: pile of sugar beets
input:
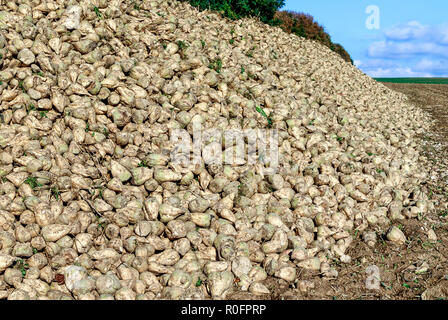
(92, 205)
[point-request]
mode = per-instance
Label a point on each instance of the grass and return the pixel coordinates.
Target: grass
(250, 53)
(22, 266)
(181, 44)
(21, 86)
(101, 225)
(97, 11)
(216, 65)
(261, 111)
(32, 182)
(55, 191)
(427, 245)
(414, 80)
(143, 163)
(386, 286)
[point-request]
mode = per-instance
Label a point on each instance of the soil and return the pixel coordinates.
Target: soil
(400, 267)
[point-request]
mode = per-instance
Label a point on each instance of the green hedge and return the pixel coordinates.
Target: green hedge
(236, 9)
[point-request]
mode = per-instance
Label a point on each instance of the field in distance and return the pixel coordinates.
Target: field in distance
(414, 80)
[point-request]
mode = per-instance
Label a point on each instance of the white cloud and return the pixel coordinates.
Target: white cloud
(415, 31)
(377, 63)
(396, 73)
(441, 34)
(434, 66)
(407, 31)
(393, 49)
(409, 50)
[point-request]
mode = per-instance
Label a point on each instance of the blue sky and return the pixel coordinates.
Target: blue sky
(412, 39)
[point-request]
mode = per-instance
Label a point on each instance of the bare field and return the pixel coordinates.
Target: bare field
(419, 270)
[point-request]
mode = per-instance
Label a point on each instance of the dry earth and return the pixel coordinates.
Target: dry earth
(400, 268)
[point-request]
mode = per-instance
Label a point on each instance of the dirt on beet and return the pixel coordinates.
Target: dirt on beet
(417, 270)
